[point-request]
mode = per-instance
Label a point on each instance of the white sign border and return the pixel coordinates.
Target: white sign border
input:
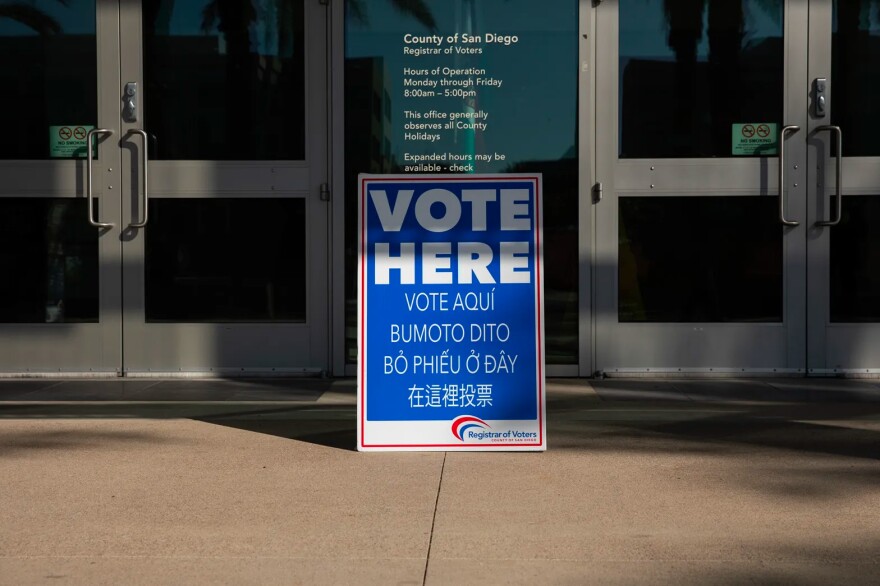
(415, 428)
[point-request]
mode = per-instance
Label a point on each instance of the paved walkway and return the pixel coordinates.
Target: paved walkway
(255, 482)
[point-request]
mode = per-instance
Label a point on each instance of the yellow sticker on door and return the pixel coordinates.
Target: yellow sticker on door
(68, 141)
(754, 139)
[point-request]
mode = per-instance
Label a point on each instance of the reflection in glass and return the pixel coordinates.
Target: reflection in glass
(48, 72)
(691, 69)
(531, 124)
(689, 259)
(855, 75)
(855, 262)
(226, 260)
(225, 79)
(48, 261)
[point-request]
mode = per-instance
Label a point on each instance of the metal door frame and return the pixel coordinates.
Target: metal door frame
(586, 179)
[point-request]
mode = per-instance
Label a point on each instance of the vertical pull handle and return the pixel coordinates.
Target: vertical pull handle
(782, 134)
(146, 200)
(89, 160)
(839, 134)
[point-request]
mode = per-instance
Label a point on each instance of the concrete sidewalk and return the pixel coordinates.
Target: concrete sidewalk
(256, 482)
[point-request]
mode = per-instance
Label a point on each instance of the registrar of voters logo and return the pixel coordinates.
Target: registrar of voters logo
(450, 313)
(468, 428)
(461, 425)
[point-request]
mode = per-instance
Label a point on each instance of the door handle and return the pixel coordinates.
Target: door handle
(129, 100)
(782, 175)
(836, 130)
(146, 200)
(89, 161)
(819, 101)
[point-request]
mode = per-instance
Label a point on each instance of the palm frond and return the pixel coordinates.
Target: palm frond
(209, 17)
(357, 10)
(772, 8)
(31, 17)
(418, 10)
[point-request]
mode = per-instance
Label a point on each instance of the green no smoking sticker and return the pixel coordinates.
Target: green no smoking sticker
(754, 138)
(68, 141)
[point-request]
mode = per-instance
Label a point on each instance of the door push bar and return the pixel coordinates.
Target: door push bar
(782, 176)
(146, 200)
(839, 134)
(89, 161)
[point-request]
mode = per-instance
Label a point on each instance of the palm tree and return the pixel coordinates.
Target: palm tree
(726, 28)
(725, 31)
(222, 12)
(417, 9)
(853, 75)
(234, 20)
(32, 17)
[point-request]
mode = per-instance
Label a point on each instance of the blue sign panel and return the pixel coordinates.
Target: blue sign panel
(450, 314)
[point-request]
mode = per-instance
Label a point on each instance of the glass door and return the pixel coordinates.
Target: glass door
(843, 238)
(225, 149)
(196, 241)
(60, 269)
(717, 249)
(699, 262)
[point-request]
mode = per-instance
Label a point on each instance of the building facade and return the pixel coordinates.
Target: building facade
(711, 172)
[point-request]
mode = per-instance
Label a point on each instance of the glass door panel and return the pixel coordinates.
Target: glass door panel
(55, 266)
(225, 80)
(675, 267)
(854, 262)
(48, 53)
(226, 260)
(855, 54)
(704, 66)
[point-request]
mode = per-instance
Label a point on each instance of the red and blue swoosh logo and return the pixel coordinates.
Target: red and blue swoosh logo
(465, 422)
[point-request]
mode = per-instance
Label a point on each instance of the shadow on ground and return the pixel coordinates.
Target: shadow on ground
(331, 427)
(823, 416)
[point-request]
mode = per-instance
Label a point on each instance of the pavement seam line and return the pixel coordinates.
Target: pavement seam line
(434, 519)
